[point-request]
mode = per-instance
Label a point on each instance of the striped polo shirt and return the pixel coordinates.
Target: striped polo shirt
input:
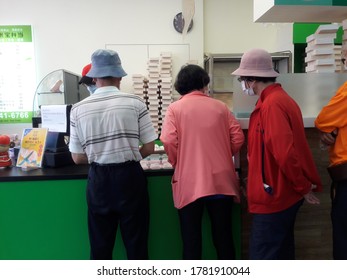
(109, 125)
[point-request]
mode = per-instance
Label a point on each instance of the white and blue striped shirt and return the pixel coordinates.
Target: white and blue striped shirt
(109, 125)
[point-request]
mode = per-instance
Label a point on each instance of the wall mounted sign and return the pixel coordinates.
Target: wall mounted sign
(17, 74)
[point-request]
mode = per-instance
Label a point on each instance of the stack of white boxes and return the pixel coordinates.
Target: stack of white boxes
(344, 43)
(320, 56)
(337, 55)
(157, 89)
(153, 90)
(165, 84)
(138, 81)
(140, 85)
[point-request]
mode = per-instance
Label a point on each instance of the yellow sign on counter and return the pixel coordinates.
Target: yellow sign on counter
(32, 148)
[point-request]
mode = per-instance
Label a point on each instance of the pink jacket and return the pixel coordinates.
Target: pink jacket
(201, 136)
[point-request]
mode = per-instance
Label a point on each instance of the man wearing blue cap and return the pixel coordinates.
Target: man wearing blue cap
(106, 131)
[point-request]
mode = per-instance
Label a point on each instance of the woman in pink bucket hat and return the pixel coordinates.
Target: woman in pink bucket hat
(281, 171)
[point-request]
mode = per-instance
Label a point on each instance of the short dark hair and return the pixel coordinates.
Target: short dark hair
(191, 77)
(86, 80)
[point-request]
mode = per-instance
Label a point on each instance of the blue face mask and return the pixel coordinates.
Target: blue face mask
(91, 88)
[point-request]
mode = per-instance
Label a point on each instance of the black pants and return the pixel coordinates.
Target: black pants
(220, 212)
(117, 195)
(272, 235)
(339, 220)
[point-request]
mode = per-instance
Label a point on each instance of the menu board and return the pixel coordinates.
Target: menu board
(17, 74)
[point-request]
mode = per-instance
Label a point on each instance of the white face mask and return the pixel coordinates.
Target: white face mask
(91, 88)
(247, 91)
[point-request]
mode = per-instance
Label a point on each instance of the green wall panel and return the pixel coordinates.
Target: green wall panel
(302, 30)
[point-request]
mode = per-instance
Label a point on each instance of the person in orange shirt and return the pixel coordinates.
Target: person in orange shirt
(201, 136)
(332, 123)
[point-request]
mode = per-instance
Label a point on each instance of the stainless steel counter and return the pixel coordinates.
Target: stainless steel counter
(308, 122)
(311, 91)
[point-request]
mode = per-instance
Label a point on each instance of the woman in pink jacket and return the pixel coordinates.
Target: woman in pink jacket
(201, 136)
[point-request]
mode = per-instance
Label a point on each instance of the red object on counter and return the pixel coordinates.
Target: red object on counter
(4, 147)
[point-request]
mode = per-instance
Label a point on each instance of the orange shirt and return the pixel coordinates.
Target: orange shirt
(334, 116)
(200, 137)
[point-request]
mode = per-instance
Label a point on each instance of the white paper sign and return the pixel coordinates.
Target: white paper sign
(54, 118)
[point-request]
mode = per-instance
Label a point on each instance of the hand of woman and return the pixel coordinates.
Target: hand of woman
(311, 198)
(328, 138)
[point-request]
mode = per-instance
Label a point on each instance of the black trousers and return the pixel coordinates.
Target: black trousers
(339, 220)
(117, 195)
(220, 213)
(272, 235)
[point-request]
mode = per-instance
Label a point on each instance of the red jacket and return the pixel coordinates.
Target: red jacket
(287, 160)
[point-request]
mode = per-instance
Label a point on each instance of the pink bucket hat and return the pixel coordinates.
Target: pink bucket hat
(256, 63)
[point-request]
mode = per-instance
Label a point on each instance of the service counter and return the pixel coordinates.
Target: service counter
(43, 216)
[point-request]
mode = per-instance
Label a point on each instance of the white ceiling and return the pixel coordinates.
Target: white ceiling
(304, 14)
